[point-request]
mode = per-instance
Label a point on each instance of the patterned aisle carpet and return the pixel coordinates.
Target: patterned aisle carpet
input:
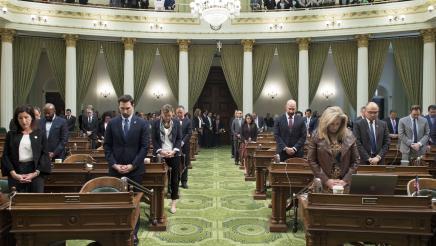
(217, 209)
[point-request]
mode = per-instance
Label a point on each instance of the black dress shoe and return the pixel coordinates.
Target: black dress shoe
(184, 185)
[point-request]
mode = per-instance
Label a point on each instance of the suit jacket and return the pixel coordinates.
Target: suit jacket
(218, 126)
(131, 149)
(391, 127)
(247, 133)
(90, 126)
(71, 123)
(432, 139)
(433, 133)
(186, 134)
(57, 137)
(294, 137)
(100, 130)
(362, 132)
(196, 122)
(312, 124)
(176, 136)
(260, 123)
(320, 158)
(236, 128)
(10, 158)
(405, 133)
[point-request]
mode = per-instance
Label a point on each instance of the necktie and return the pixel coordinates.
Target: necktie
(394, 126)
(415, 132)
(290, 123)
(126, 127)
(372, 138)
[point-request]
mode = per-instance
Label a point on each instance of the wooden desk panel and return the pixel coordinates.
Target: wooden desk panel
(262, 160)
(6, 238)
(108, 218)
(336, 219)
(70, 177)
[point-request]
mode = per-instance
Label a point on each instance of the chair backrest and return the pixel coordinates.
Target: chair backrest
(424, 183)
(85, 158)
(296, 161)
(104, 184)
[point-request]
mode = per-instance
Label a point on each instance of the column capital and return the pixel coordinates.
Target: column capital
(248, 44)
(7, 35)
(129, 43)
(303, 43)
(362, 40)
(428, 35)
(183, 44)
(71, 39)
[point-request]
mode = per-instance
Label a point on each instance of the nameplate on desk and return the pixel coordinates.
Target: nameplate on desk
(369, 200)
(72, 199)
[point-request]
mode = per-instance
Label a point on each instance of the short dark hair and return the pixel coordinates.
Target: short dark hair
(415, 107)
(431, 107)
(308, 110)
(392, 111)
(68, 110)
(23, 109)
(126, 98)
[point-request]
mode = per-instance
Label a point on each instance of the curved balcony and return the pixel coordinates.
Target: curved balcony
(98, 19)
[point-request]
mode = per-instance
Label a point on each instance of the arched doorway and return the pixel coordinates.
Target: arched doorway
(216, 98)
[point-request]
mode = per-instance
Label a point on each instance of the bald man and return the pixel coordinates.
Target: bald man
(290, 133)
(56, 130)
(372, 136)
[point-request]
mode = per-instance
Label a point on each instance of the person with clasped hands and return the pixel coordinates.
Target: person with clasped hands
(25, 156)
(332, 154)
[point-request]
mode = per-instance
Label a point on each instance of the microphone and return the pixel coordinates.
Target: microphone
(277, 159)
(159, 158)
(317, 185)
(126, 181)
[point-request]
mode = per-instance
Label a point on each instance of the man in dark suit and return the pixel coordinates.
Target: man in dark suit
(260, 123)
(392, 123)
(90, 126)
(126, 143)
(310, 121)
(56, 130)
(372, 136)
(186, 125)
(71, 120)
(431, 119)
(167, 139)
(290, 133)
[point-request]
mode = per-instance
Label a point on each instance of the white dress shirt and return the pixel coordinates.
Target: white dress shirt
(25, 153)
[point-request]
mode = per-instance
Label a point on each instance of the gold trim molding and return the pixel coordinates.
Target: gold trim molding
(362, 40)
(247, 44)
(129, 43)
(7, 35)
(71, 40)
(428, 35)
(303, 43)
(183, 44)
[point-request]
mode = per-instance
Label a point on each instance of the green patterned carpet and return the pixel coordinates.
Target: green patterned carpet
(217, 209)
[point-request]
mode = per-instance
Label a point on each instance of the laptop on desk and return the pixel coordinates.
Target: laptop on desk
(373, 184)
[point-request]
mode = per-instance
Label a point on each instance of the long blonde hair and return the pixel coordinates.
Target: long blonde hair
(329, 115)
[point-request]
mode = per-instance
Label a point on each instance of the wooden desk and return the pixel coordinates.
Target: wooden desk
(6, 238)
(405, 174)
(251, 149)
(396, 220)
(69, 177)
(108, 218)
(262, 160)
(285, 179)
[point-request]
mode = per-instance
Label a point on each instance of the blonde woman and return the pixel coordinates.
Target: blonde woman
(333, 154)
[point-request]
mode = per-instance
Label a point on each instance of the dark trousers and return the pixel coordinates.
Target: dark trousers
(37, 184)
(185, 159)
(236, 149)
(174, 176)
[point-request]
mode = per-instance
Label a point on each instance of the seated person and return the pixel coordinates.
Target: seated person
(269, 4)
(283, 4)
(170, 4)
(332, 150)
(256, 4)
(25, 157)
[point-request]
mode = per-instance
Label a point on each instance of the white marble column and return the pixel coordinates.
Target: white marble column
(71, 73)
(362, 71)
(129, 87)
(428, 69)
(184, 74)
(6, 88)
(247, 79)
(303, 74)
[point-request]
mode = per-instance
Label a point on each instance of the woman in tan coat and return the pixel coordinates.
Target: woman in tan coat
(333, 154)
